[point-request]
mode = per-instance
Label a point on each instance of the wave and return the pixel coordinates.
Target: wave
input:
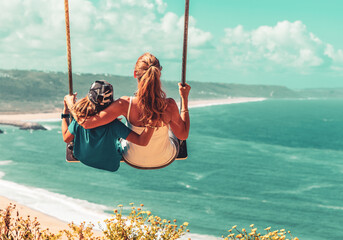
(57, 205)
(194, 236)
(214, 102)
(331, 207)
(300, 190)
(5, 162)
(65, 208)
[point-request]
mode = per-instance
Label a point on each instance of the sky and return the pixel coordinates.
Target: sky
(298, 44)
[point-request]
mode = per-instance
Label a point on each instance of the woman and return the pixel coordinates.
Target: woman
(98, 147)
(149, 103)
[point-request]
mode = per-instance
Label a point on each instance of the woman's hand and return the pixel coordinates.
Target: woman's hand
(184, 90)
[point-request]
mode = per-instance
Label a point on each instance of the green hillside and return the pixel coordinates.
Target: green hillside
(37, 91)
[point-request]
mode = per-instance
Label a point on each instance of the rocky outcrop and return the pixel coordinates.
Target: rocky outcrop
(23, 125)
(1, 131)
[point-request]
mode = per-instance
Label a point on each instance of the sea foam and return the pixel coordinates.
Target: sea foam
(60, 206)
(5, 162)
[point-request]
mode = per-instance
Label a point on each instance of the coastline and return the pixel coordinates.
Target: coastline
(52, 220)
(56, 116)
(45, 220)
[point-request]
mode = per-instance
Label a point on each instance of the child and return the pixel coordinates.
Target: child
(99, 147)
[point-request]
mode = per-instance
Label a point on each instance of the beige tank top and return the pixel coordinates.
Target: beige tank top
(159, 152)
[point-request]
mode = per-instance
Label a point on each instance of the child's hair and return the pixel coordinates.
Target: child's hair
(151, 97)
(83, 109)
(99, 97)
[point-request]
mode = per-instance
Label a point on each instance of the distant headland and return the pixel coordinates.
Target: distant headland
(31, 91)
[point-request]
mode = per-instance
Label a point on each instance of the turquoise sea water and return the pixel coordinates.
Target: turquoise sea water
(275, 163)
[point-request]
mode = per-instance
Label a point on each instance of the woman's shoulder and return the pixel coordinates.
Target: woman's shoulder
(124, 98)
(171, 104)
(170, 101)
(122, 101)
(172, 107)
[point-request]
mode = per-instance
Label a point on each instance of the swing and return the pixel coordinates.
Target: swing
(182, 155)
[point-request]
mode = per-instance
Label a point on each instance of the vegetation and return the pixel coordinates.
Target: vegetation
(37, 91)
(139, 225)
(254, 235)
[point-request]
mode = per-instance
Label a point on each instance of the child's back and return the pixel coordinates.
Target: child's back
(98, 147)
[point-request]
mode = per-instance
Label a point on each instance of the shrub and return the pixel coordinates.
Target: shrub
(138, 225)
(253, 235)
(16, 227)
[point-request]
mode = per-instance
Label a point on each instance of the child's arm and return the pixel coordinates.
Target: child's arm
(142, 139)
(67, 136)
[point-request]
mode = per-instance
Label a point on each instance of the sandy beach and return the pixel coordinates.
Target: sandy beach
(51, 222)
(45, 220)
(57, 115)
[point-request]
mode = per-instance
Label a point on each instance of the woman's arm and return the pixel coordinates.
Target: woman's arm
(106, 116)
(67, 136)
(180, 123)
(142, 139)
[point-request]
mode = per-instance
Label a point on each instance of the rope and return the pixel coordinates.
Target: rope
(185, 38)
(184, 53)
(68, 47)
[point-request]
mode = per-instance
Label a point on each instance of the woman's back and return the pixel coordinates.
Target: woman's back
(134, 112)
(162, 148)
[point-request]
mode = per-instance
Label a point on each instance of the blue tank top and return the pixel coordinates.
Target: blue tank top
(99, 147)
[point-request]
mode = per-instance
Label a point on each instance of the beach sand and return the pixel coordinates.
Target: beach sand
(51, 222)
(46, 221)
(57, 115)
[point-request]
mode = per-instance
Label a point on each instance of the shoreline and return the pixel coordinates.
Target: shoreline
(56, 116)
(52, 220)
(55, 225)
(46, 221)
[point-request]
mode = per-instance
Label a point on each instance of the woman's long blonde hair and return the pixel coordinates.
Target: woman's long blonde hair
(83, 109)
(151, 97)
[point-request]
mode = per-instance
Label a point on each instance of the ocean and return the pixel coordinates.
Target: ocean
(275, 163)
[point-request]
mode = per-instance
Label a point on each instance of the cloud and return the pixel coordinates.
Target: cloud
(336, 56)
(287, 45)
(106, 36)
